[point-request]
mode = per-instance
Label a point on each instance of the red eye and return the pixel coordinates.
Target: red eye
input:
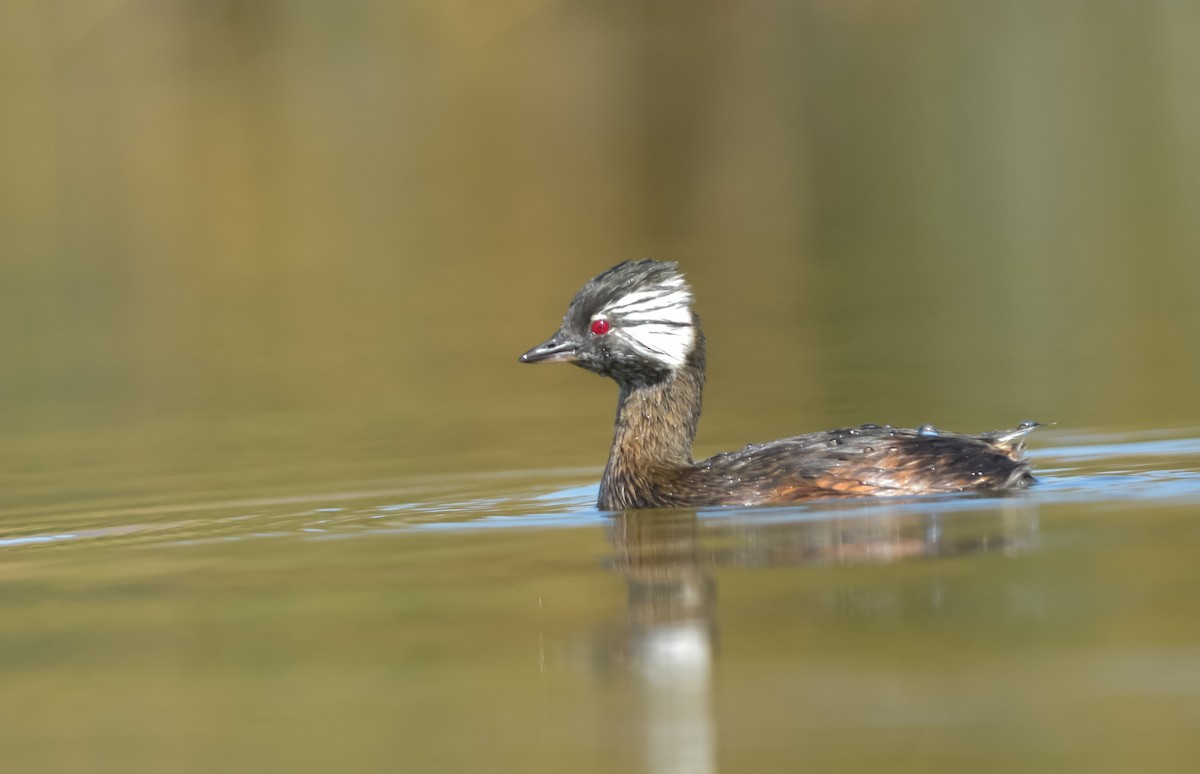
(600, 327)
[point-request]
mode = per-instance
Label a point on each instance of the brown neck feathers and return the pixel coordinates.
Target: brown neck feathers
(652, 439)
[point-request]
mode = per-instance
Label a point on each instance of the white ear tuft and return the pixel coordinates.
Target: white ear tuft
(656, 320)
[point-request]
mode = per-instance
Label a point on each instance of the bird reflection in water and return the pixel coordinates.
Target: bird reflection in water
(668, 640)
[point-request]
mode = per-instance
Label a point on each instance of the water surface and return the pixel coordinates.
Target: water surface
(499, 622)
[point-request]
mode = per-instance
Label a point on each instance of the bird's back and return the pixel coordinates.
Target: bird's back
(865, 460)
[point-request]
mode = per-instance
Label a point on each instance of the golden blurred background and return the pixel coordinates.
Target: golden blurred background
(274, 246)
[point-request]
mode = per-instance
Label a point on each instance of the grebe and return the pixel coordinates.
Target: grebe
(634, 324)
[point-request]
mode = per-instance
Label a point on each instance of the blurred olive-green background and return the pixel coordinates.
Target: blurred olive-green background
(261, 246)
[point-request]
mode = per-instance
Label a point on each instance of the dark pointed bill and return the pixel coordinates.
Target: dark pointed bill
(557, 349)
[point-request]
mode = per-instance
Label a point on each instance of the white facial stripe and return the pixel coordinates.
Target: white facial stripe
(673, 305)
(656, 321)
(668, 344)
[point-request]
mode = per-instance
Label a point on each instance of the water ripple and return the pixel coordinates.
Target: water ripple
(1098, 469)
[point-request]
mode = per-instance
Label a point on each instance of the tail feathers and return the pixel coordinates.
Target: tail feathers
(1012, 441)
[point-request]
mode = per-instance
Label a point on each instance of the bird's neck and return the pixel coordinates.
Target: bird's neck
(652, 440)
